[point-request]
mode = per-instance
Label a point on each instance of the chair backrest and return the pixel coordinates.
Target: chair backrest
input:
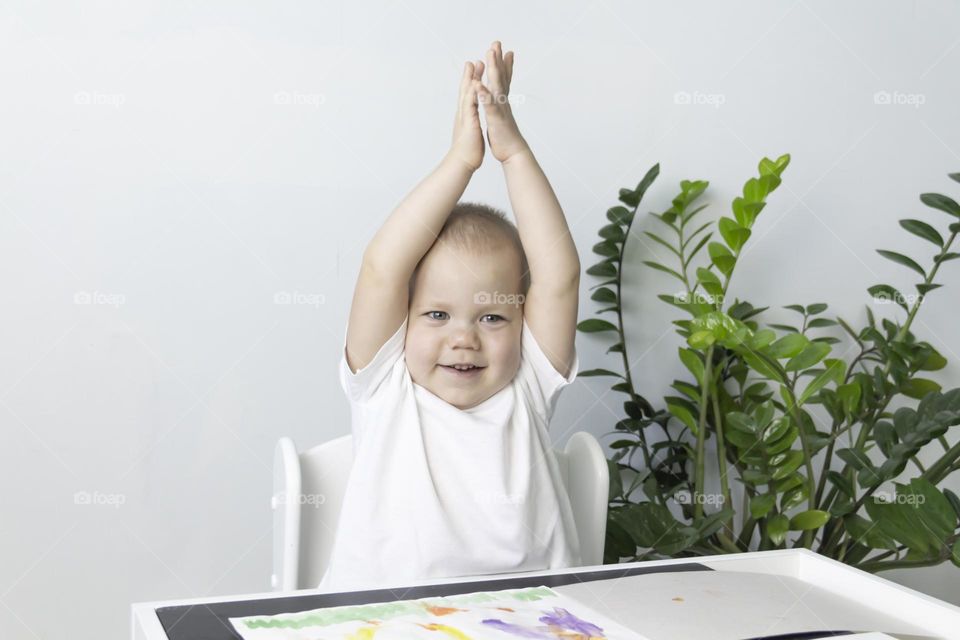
(309, 487)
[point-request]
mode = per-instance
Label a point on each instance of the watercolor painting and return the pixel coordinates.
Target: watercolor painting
(535, 613)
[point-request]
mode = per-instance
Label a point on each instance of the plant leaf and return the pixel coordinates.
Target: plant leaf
(629, 197)
(612, 232)
(595, 325)
(733, 233)
(777, 528)
(923, 230)
(604, 269)
(619, 215)
(660, 267)
(663, 242)
(598, 372)
(832, 372)
(811, 355)
(918, 387)
(941, 202)
(760, 505)
(810, 519)
(606, 248)
(693, 363)
(604, 295)
(899, 258)
(886, 292)
(679, 408)
(721, 256)
(788, 346)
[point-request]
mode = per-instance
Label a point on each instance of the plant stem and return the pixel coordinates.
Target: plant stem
(721, 457)
(828, 456)
(808, 463)
(746, 533)
(628, 378)
(702, 434)
(936, 471)
(942, 467)
(728, 545)
(905, 328)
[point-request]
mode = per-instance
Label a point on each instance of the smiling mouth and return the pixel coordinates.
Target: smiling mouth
(468, 371)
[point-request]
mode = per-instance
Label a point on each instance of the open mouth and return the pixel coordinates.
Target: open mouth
(463, 371)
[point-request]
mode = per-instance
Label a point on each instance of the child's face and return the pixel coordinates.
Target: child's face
(465, 309)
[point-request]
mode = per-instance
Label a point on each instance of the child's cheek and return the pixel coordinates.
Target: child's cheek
(420, 359)
(508, 357)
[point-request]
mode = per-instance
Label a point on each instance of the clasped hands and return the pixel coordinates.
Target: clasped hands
(503, 135)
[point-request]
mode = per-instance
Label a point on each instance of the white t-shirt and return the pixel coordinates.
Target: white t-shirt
(437, 491)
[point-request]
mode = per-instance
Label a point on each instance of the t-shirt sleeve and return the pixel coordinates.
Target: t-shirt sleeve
(363, 385)
(540, 380)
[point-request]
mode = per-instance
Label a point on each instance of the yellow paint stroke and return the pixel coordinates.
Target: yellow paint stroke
(504, 609)
(363, 633)
(453, 632)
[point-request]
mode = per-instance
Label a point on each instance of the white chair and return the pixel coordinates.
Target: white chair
(308, 490)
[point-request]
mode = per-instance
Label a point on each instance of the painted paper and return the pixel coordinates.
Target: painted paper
(535, 613)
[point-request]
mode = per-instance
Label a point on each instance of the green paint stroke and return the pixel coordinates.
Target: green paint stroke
(388, 610)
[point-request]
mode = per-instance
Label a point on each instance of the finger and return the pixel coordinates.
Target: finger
(478, 70)
(508, 62)
(467, 96)
(501, 63)
(467, 74)
(493, 72)
(465, 79)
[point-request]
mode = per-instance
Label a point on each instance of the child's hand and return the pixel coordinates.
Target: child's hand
(502, 131)
(467, 143)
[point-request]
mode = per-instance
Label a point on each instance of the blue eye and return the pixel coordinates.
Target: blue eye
(432, 312)
(493, 315)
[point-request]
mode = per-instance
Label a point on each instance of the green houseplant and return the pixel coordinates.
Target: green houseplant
(811, 440)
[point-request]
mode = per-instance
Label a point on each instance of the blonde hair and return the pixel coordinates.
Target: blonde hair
(479, 228)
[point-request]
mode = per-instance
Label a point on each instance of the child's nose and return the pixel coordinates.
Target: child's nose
(465, 338)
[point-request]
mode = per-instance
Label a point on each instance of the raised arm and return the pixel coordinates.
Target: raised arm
(380, 298)
(550, 308)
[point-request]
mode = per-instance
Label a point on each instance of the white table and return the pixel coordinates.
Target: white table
(740, 596)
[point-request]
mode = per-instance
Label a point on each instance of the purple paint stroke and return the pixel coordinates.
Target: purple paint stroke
(566, 620)
(518, 630)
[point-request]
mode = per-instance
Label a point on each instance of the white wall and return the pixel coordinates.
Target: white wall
(182, 163)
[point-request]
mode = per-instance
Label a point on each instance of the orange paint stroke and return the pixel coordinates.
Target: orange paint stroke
(442, 611)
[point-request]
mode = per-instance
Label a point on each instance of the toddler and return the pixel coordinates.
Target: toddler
(460, 338)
